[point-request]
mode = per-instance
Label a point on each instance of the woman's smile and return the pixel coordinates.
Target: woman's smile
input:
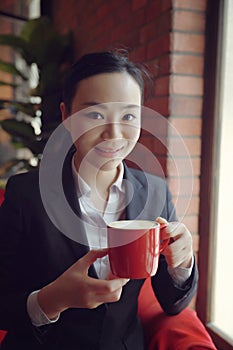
(108, 152)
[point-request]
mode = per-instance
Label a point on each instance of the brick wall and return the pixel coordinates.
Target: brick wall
(168, 37)
(186, 97)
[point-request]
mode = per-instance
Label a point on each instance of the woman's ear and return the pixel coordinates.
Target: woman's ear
(64, 113)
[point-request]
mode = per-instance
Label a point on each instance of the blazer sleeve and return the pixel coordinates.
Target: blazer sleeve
(13, 297)
(172, 298)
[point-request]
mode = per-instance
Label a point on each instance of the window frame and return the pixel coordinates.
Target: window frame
(210, 159)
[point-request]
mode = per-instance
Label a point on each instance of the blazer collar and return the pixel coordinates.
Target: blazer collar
(136, 190)
(136, 193)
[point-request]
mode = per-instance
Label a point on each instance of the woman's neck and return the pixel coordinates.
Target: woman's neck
(98, 180)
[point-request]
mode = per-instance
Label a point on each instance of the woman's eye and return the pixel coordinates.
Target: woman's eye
(95, 115)
(128, 117)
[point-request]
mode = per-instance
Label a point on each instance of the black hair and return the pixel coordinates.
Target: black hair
(97, 63)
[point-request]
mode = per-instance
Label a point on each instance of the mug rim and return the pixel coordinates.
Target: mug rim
(149, 224)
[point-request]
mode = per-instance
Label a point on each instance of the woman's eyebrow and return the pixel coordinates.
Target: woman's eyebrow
(106, 105)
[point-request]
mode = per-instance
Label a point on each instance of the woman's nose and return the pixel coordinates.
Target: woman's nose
(112, 131)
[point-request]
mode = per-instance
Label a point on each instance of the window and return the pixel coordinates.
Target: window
(222, 305)
(215, 302)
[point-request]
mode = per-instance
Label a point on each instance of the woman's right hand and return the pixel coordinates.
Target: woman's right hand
(75, 289)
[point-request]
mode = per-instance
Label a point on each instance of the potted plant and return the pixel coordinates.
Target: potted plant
(50, 54)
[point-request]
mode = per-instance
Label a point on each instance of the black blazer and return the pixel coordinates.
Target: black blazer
(33, 252)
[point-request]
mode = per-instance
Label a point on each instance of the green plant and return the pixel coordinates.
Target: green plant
(40, 46)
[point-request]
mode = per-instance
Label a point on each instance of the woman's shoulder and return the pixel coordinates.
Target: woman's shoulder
(26, 182)
(25, 177)
(146, 178)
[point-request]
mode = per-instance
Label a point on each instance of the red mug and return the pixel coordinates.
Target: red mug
(134, 247)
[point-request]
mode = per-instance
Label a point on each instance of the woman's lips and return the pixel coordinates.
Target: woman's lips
(108, 152)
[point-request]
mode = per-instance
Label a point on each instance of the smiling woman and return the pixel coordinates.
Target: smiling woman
(57, 235)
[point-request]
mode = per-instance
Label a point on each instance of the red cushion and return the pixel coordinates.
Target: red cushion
(1, 195)
(180, 332)
(2, 335)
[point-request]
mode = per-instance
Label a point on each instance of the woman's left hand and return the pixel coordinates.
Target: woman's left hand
(179, 252)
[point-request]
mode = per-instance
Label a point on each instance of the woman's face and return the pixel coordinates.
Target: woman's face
(105, 119)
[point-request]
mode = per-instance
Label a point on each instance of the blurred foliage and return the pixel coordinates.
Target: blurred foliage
(40, 45)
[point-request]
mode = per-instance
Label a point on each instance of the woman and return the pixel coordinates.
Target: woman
(56, 287)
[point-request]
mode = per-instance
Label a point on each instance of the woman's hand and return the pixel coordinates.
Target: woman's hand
(75, 289)
(179, 252)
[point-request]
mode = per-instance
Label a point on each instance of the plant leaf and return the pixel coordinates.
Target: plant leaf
(27, 108)
(10, 68)
(19, 44)
(39, 33)
(18, 128)
(45, 44)
(4, 83)
(13, 41)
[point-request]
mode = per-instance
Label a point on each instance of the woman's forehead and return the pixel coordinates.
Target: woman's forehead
(106, 88)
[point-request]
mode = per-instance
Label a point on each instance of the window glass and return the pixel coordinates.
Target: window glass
(222, 291)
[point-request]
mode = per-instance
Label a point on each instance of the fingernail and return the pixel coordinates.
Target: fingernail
(162, 219)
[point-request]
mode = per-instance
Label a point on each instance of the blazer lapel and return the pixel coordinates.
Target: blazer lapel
(136, 195)
(71, 196)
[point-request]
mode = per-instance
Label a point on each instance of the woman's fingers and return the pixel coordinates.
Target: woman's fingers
(179, 252)
(87, 260)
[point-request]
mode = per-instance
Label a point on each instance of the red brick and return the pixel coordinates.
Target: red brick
(158, 47)
(138, 54)
(154, 124)
(6, 91)
(178, 166)
(186, 106)
(162, 86)
(166, 5)
(152, 10)
(184, 147)
(147, 141)
(182, 42)
(190, 4)
(164, 65)
(186, 85)
(186, 205)
(121, 11)
(104, 29)
(186, 126)
(184, 186)
(137, 4)
(159, 147)
(191, 222)
(156, 166)
(148, 32)
(153, 68)
(102, 12)
(195, 238)
(156, 28)
(159, 104)
(187, 64)
(188, 21)
(144, 158)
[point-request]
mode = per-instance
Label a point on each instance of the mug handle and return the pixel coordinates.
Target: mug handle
(165, 242)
